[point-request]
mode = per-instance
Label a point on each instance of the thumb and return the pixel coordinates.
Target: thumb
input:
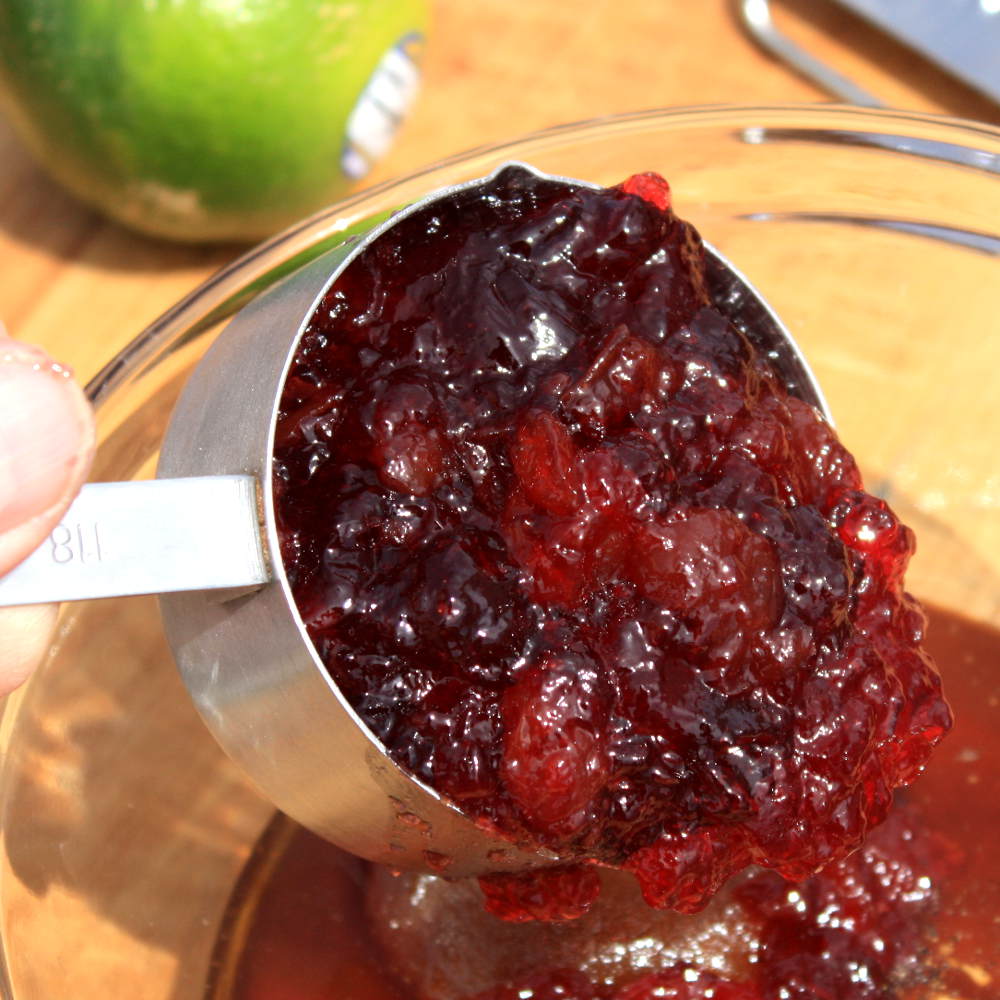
(46, 444)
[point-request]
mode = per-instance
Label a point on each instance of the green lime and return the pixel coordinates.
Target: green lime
(209, 119)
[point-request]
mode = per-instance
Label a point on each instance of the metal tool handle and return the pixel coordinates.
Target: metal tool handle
(756, 16)
(147, 537)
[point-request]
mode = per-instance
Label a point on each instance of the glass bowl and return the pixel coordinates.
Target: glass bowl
(876, 236)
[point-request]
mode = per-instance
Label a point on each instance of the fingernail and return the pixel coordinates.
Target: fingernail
(45, 433)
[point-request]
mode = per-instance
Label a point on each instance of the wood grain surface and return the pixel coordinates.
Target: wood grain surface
(124, 826)
(83, 287)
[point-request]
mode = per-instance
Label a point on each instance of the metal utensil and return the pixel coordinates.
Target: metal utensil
(203, 535)
(960, 37)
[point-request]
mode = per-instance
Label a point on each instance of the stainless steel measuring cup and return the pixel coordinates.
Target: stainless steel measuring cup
(204, 536)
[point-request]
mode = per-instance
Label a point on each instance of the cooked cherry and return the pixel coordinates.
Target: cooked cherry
(864, 928)
(550, 895)
(579, 559)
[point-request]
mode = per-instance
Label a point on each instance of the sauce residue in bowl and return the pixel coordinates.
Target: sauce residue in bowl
(913, 915)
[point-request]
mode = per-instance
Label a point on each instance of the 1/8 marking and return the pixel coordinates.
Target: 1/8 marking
(76, 543)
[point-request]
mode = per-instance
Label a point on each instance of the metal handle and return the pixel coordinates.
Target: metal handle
(756, 16)
(147, 537)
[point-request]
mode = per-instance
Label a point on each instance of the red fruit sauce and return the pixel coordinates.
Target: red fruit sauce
(583, 564)
(913, 915)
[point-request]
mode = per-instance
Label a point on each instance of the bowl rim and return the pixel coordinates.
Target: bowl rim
(236, 283)
(225, 291)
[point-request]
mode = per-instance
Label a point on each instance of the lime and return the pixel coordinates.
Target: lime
(208, 119)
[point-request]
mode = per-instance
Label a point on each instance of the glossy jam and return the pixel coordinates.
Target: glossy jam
(309, 923)
(581, 562)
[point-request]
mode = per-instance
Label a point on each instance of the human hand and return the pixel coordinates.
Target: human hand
(46, 445)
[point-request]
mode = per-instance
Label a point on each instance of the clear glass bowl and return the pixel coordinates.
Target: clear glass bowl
(876, 236)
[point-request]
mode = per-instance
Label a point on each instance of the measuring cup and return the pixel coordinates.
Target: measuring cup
(203, 535)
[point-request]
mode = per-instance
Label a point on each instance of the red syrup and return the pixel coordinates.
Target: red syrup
(581, 562)
(915, 915)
